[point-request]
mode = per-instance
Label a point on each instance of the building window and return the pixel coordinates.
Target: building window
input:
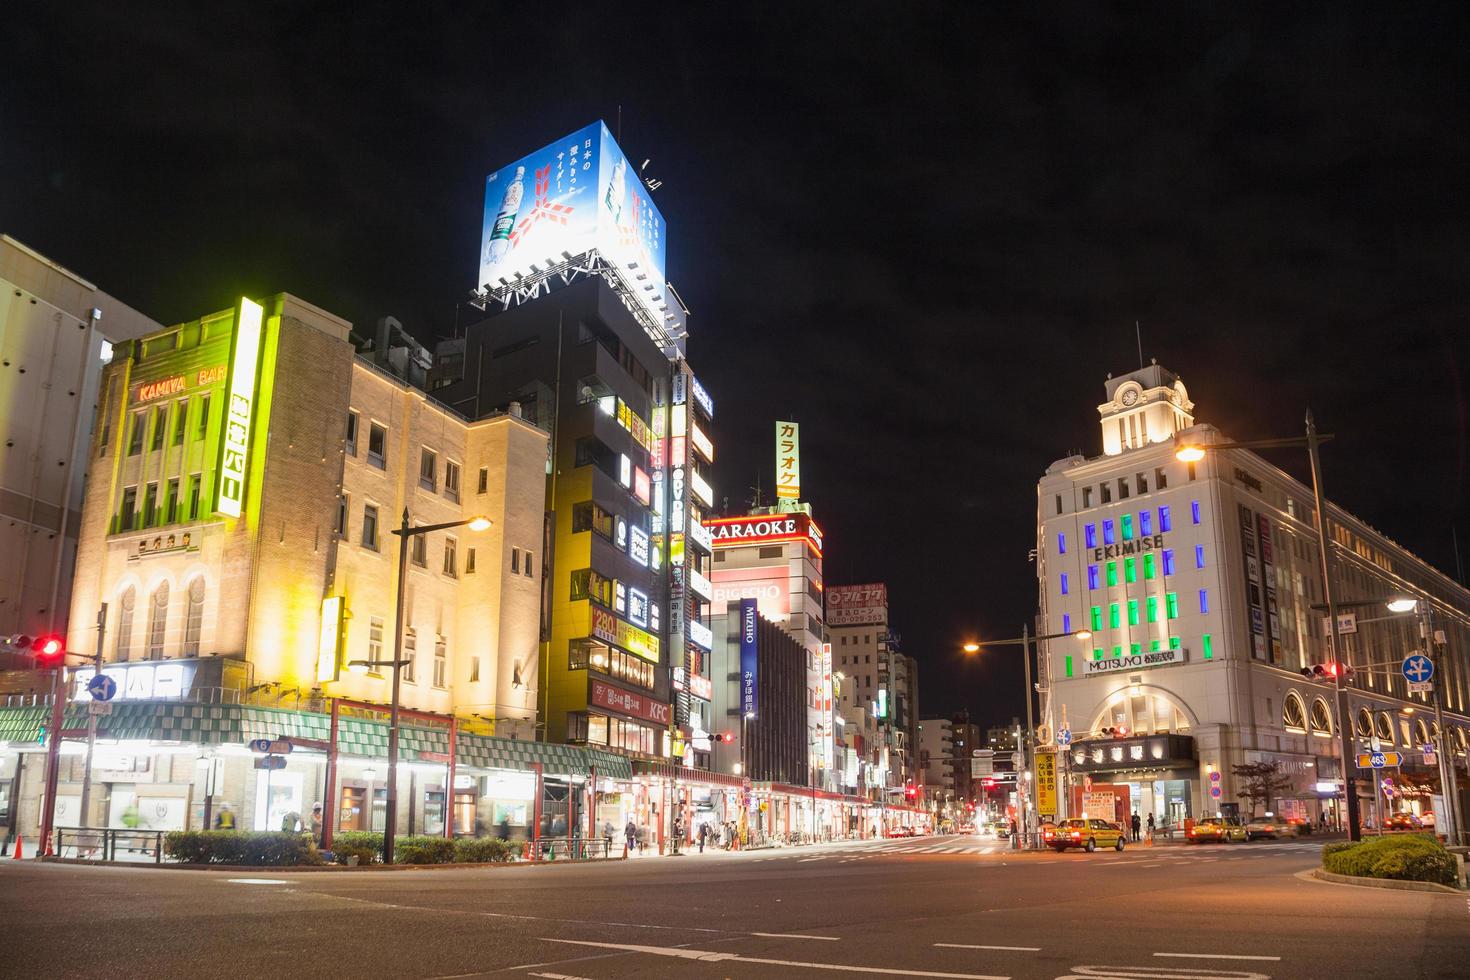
(441, 662)
(1322, 719)
(342, 516)
(202, 429)
(135, 437)
(1122, 488)
(1086, 497)
(1104, 493)
(1190, 468)
(1092, 577)
(515, 560)
(451, 557)
(1132, 612)
(157, 621)
(181, 409)
(352, 433)
(428, 470)
(1171, 601)
(418, 551)
(1059, 504)
(484, 479)
(1199, 556)
(1064, 583)
(1130, 570)
(123, 644)
(1141, 482)
(526, 563)
(1113, 619)
(377, 444)
(149, 516)
(474, 666)
(195, 482)
(1161, 479)
(1364, 725)
(1208, 643)
(410, 655)
(469, 561)
(1194, 511)
(1165, 524)
(1112, 573)
(1089, 533)
(451, 480)
(1153, 609)
(1127, 522)
(1061, 544)
(1109, 537)
(1097, 619)
(194, 621)
(160, 424)
(1066, 623)
(375, 645)
(1146, 522)
(171, 503)
(1204, 601)
(1148, 566)
(370, 526)
(1168, 561)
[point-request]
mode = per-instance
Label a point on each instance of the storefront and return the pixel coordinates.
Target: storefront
(1112, 779)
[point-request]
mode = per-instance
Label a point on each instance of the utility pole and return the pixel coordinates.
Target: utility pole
(92, 720)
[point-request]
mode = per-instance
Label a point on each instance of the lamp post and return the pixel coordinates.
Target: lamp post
(404, 532)
(1024, 641)
(1311, 441)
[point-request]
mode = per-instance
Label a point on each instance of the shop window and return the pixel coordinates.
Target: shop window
(1294, 714)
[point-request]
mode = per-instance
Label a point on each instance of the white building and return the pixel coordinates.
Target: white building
(1197, 583)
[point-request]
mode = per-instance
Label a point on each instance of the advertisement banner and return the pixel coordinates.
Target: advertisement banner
(788, 461)
(773, 595)
(748, 654)
(638, 705)
(575, 195)
(726, 532)
(611, 629)
(1046, 784)
(1098, 806)
(234, 447)
(857, 605)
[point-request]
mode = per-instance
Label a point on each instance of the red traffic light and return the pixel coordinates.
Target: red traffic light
(724, 737)
(989, 784)
(49, 650)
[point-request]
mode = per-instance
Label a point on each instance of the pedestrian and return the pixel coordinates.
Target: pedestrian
(703, 833)
(504, 828)
(291, 822)
(316, 822)
(1150, 826)
(630, 832)
(225, 819)
(1137, 824)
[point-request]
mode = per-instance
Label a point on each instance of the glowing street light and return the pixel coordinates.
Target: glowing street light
(1402, 604)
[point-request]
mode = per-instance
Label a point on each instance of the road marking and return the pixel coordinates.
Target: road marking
(808, 860)
(794, 935)
(257, 881)
(1018, 949)
(709, 956)
(1155, 973)
(1218, 956)
(549, 976)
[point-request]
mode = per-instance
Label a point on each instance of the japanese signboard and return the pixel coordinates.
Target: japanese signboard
(1046, 783)
(567, 199)
(748, 657)
(638, 705)
(788, 461)
(1098, 806)
(611, 629)
(772, 595)
(857, 605)
(234, 448)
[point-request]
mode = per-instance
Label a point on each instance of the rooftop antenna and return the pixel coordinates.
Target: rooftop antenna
(1459, 568)
(755, 501)
(1138, 336)
(620, 125)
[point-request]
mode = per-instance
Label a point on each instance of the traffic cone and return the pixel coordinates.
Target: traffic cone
(15, 854)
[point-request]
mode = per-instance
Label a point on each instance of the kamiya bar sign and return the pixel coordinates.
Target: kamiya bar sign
(179, 382)
(234, 447)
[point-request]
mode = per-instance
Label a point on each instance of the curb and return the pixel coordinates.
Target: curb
(1393, 884)
(315, 868)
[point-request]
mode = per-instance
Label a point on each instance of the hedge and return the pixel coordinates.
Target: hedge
(472, 850)
(1407, 857)
(366, 845)
(259, 848)
(423, 850)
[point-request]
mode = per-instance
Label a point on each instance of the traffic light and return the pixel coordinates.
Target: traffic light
(1325, 672)
(989, 784)
(49, 651)
(910, 791)
(1120, 731)
(723, 737)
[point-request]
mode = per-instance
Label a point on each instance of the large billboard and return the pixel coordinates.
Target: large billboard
(857, 605)
(788, 461)
(769, 587)
(577, 194)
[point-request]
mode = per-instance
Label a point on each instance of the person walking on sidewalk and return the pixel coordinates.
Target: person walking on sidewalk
(1150, 827)
(630, 832)
(703, 833)
(1137, 824)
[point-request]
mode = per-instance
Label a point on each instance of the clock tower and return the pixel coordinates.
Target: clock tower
(1143, 407)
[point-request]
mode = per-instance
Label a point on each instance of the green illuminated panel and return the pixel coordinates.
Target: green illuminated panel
(1209, 645)
(229, 494)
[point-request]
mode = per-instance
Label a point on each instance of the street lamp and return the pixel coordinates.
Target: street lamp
(404, 532)
(1024, 641)
(1190, 453)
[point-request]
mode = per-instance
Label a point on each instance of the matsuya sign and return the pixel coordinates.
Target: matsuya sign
(1134, 547)
(1137, 661)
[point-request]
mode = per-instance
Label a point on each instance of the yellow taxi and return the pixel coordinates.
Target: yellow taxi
(1088, 833)
(1216, 829)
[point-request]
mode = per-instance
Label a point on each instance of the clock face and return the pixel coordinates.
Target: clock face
(1130, 396)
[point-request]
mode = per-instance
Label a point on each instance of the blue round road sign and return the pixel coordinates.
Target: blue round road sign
(102, 687)
(1417, 668)
(1064, 737)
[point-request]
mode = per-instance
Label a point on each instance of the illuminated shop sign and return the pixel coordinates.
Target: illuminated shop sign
(1137, 661)
(749, 654)
(136, 682)
(788, 461)
(701, 397)
(702, 442)
(701, 687)
(638, 545)
(701, 586)
(1134, 547)
(234, 449)
(642, 488)
(638, 607)
(855, 605)
(179, 382)
(699, 534)
(824, 747)
(677, 506)
(610, 629)
(637, 705)
(700, 635)
(703, 492)
(629, 420)
(728, 532)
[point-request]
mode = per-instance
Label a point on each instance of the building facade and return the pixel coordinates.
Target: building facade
(883, 681)
(1197, 583)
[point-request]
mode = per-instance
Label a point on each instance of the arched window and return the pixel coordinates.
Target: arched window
(1384, 728)
(1321, 718)
(1293, 713)
(1462, 741)
(1143, 713)
(1364, 724)
(1421, 731)
(194, 624)
(157, 621)
(123, 645)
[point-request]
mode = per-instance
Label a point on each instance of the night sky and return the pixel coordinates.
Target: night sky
(925, 236)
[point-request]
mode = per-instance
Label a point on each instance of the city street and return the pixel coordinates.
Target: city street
(928, 907)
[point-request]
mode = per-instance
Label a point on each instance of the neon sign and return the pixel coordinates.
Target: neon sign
(229, 495)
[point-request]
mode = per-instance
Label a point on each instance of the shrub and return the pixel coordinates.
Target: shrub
(357, 841)
(473, 850)
(264, 848)
(423, 850)
(364, 855)
(1407, 857)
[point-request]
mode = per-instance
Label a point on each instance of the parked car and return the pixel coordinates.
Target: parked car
(1401, 822)
(1086, 833)
(1267, 827)
(1300, 827)
(1216, 829)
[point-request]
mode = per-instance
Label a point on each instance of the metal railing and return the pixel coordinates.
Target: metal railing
(109, 844)
(576, 849)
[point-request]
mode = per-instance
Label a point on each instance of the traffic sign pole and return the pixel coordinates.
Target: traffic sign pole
(86, 814)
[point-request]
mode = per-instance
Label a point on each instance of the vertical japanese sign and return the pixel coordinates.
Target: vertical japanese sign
(1254, 592)
(234, 447)
(748, 702)
(824, 748)
(1046, 784)
(788, 461)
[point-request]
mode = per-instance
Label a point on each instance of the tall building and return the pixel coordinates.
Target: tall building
(884, 680)
(57, 332)
(1199, 583)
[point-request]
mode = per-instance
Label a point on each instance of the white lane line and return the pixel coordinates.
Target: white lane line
(709, 956)
(794, 935)
(548, 976)
(1018, 949)
(257, 881)
(1218, 956)
(808, 860)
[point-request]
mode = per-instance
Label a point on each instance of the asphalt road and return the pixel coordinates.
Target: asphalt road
(933, 907)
